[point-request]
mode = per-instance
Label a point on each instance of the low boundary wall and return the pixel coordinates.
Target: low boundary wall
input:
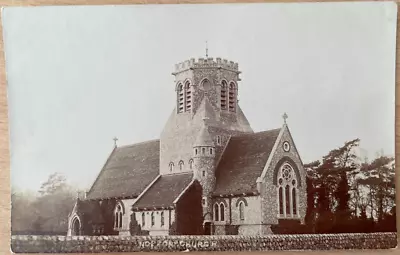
(63, 244)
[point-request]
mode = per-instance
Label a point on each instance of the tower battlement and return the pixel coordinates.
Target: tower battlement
(206, 63)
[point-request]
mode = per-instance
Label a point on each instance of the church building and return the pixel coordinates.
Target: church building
(248, 182)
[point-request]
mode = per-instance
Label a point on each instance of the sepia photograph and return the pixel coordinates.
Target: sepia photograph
(201, 127)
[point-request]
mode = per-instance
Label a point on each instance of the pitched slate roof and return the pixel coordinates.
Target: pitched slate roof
(164, 191)
(128, 170)
(243, 162)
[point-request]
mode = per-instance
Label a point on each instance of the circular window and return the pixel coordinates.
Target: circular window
(287, 172)
(286, 146)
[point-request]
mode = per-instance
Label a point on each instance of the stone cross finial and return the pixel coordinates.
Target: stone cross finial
(284, 116)
(115, 141)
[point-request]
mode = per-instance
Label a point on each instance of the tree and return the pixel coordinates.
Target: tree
(311, 180)
(134, 228)
(54, 204)
(378, 177)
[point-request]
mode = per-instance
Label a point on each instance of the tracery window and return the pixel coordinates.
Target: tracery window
(287, 192)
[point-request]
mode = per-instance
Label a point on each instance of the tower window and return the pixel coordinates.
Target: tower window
(232, 97)
(211, 151)
(143, 219)
(195, 151)
(204, 173)
(188, 97)
(181, 99)
(224, 88)
(203, 202)
(203, 150)
(218, 140)
(162, 218)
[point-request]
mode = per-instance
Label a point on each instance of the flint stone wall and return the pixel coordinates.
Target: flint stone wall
(63, 244)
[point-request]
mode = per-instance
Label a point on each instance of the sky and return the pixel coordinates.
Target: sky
(80, 75)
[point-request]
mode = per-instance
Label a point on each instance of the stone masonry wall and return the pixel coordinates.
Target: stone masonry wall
(62, 244)
(269, 203)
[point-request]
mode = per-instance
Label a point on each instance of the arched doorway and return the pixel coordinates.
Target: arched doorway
(207, 228)
(76, 225)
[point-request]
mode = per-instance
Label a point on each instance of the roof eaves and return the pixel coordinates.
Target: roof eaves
(102, 169)
(274, 148)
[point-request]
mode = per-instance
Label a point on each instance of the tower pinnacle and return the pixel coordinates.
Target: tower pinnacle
(206, 49)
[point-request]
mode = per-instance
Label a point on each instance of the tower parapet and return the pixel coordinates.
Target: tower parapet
(206, 63)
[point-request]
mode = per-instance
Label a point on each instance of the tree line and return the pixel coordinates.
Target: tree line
(44, 212)
(348, 194)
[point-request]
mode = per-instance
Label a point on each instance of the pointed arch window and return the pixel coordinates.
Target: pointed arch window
(222, 211)
(171, 166)
(224, 88)
(118, 217)
(181, 165)
(287, 192)
(232, 97)
(191, 163)
(162, 218)
(153, 220)
(181, 98)
(216, 212)
(143, 219)
(188, 97)
(241, 210)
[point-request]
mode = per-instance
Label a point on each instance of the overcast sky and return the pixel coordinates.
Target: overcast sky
(78, 76)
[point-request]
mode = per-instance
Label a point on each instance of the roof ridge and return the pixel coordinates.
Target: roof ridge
(255, 133)
(139, 143)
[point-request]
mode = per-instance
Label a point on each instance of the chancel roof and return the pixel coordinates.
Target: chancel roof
(243, 161)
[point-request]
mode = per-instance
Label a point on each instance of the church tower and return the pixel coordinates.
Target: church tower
(204, 166)
(205, 87)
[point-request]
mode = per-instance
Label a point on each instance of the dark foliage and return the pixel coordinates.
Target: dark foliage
(172, 229)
